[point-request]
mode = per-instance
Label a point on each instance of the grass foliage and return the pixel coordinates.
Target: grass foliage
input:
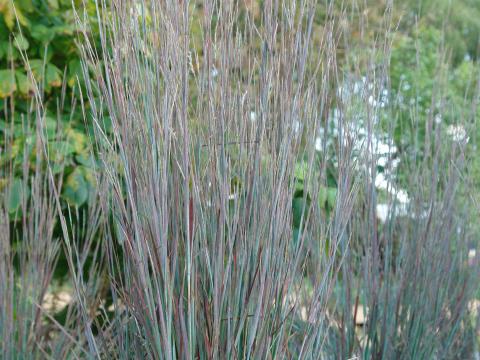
(225, 221)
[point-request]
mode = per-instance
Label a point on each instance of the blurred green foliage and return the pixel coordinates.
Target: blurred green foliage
(458, 19)
(42, 34)
(45, 32)
(429, 87)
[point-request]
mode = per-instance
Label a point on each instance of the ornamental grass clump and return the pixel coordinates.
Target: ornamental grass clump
(208, 130)
(242, 156)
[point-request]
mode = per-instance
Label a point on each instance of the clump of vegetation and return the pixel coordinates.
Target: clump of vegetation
(259, 182)
(45, 33)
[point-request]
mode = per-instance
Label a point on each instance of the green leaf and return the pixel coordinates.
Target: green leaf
(59, 150)
(8, 14)
(7, 83)
(36, 66)
(26, 5)
(298, 209)
(3, 47)
(51, 126)
(76, 188)
(63, 147)
(77, 140)
(57, 168)
(42, 33)
(21, 42)
(15, 195)
(301, 170)
(53, 76)
(53, 4)
(322, 197)
(64, 29)
(23, 83)
(331, 196)
(85, 160)
(74, 70)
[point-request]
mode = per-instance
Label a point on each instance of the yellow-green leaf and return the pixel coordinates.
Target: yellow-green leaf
(36, 66)
(76, 188)
(25, 5)
(50, 126)
(77, 139)
(301, 170)
(21, 42)
(7, 83)
(322, 196)
(23, 83)
(53, 4)
(42, 33)
(6, 8)
(8, 14)
(15, 195)
(53, 76)
(332, 196)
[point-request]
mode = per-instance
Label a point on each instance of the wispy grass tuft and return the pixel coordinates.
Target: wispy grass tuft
(235, 212)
